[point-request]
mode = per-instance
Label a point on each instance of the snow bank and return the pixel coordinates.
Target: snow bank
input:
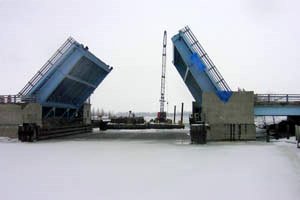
(148, 169)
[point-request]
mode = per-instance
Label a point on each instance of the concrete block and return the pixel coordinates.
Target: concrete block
(10, 114)
(87, 113)
(9, 131)
(13, 115)
(233, 120)
(32, 113)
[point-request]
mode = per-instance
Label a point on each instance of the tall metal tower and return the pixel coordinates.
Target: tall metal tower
(162, 114)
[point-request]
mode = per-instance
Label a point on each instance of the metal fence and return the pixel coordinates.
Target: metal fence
(14, 99)
(277, 98)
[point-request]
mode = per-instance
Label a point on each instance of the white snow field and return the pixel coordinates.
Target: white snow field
(97, 167)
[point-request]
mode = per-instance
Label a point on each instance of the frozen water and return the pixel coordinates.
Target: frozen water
(98, 167)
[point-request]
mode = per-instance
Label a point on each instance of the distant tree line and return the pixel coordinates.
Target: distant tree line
(101, 112)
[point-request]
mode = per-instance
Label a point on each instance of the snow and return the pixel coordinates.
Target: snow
(98, 167)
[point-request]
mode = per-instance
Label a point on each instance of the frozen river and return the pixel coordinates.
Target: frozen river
(100, 166)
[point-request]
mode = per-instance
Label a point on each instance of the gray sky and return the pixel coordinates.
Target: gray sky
(254, 44)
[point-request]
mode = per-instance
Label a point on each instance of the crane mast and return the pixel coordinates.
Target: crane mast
(162, 114)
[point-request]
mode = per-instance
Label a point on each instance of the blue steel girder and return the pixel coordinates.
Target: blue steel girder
(187, 77)
(40, 84)
(196, 69)
(277, 104)
(193, 69)
(81, 81)
(70, 79)
(277, 110)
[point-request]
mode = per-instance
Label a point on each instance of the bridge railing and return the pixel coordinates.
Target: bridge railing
(212, 70)
(47, 66)
(14, 99)
(277, 98)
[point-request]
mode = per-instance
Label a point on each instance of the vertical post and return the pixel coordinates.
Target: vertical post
(288, 131)
(268, 135)
(174, 121)
(181, 118)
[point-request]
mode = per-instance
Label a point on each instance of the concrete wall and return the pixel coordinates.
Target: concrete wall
(297, 132)
(87, 113)
(10, 118)
(32, 113)
(12, 115)
(233, 120)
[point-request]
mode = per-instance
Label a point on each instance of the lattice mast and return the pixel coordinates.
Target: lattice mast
(163, 74)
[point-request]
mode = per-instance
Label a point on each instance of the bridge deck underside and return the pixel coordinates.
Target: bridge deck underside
(77, 85)
(187, 77)
(196, 68)
(70, 80)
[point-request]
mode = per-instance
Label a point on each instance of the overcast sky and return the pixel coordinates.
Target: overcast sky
(255, 44)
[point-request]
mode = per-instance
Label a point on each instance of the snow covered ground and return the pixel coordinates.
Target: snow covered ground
(98, 167)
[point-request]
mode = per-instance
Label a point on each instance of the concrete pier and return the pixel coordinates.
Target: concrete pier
(229, 121)
(13, 115)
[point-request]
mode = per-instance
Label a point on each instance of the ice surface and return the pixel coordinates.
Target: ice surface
(95, 167)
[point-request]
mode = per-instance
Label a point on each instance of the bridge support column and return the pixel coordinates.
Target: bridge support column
(233, 120)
